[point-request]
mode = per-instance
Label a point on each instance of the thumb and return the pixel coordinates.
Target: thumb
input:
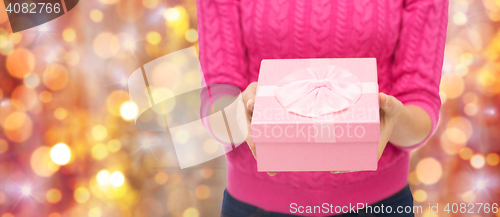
(386, 103)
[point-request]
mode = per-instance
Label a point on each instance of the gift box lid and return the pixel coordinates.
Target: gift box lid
(323, 100)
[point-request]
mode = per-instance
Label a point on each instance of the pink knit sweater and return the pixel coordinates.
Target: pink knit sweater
(406, 37)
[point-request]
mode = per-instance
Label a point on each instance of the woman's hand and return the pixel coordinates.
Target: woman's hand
(390, 111)
(248, 97)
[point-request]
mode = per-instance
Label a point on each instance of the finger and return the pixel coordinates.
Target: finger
(387, 103)
(250, 103)
(271, 173)
(384, 100)
(251, 145)
(249, 95)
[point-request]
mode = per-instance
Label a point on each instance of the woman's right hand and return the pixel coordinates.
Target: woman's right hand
(248, 97)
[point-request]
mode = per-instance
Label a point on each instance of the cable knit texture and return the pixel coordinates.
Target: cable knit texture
(405, 36)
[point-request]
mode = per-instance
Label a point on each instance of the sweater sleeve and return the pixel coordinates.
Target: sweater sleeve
(221, 50)
(418, 58)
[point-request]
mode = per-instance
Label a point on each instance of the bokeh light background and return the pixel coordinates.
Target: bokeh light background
(68, 146)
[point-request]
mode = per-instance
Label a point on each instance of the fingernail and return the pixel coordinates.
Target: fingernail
(271, 173)
(335, 172)
(248, 104)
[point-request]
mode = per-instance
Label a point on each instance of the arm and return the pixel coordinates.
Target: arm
(416, 72)
(222, 52)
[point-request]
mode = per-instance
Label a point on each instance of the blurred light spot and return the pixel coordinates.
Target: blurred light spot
(69, 35)
(2, 197)
(467, 58)
(72, 58)
(461, 70)
(172, 14)
(54, 214)
(153, 37)
(96, 15)
(26, 190)
(45, 96)
(459, 129)
(202, 192)
(448, 146)
(99, 151)
(150, 3)
(420, 195)
(43, 28)
(117, 179)
(115, 100)
(477, 161)
(51, 57)
(99, 132)
(60, 154)
(103, 177)
(161, 178)
(481, 184)
(31, 80)
(428, 213)
(127, 41)
(486, 78)
(429, 171)
(210, 146)
(60, 113)
(470, 109)
(15, 120)
(55, 77)
(182, 136)
(18, 126)
(452, 85)
(4, 146)
(1, 93)
(459, 18)
(470, 97)
(490, 111)
(207, 172)
(95, 212)
(191, 212)
(6, 47)
(466, 153)
(128, 110)
(20, 62)
(114, 145)
(53, 195)
(191, 35)
(41, 162)
(468, 196)
(15, 38)
(106, 45)
(8, 215)
(24, 98)
(108, 2)
(456, 135)
(492, 159)
(81, 195)
(130, 11)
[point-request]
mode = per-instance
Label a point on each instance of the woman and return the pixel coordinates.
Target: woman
(406, 37)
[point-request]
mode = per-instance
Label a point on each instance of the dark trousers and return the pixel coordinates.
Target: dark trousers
(232, 207)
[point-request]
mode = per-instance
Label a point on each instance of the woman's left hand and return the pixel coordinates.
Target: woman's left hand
(390, 110)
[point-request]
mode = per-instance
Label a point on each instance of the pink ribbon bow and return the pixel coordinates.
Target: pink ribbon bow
(318, 90)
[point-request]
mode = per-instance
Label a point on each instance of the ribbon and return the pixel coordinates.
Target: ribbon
(318, 90)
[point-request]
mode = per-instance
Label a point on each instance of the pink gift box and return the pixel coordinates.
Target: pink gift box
(316, 115)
